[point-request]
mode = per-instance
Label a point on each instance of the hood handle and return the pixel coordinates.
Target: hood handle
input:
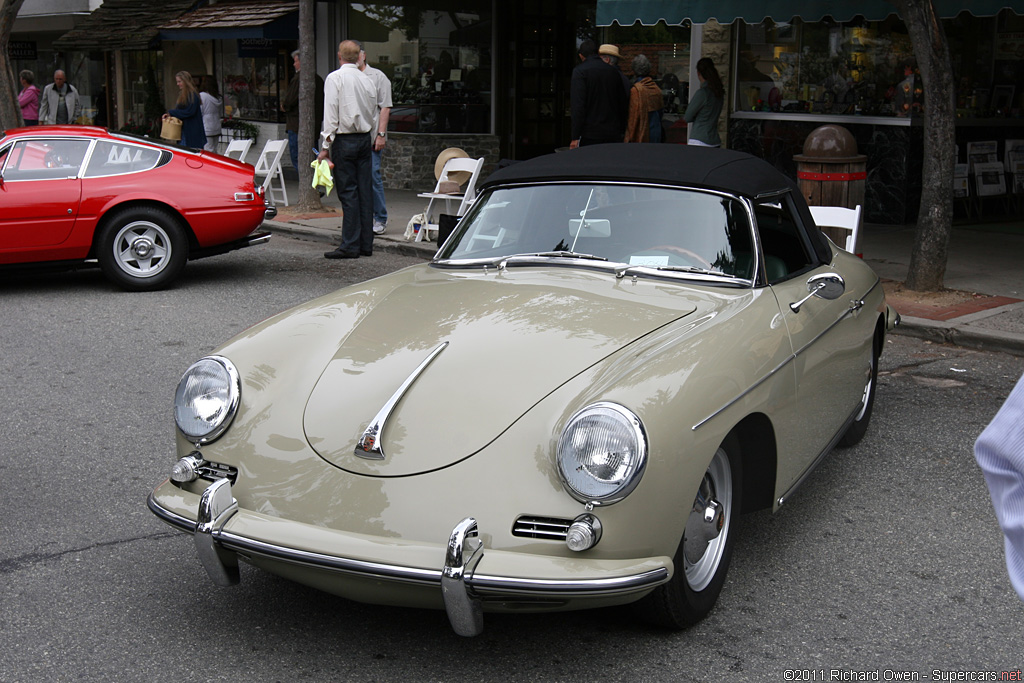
(369, 445)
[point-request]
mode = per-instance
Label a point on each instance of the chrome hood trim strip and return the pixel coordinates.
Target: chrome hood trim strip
(369, 445)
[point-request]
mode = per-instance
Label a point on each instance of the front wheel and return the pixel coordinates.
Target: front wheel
(702, 559)
(142, 249)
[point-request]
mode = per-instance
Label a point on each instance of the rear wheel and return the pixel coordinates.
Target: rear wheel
(702, 559)
(855, 432)
(142, 248)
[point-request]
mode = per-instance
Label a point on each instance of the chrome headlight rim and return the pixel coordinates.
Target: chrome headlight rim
(234, 390)
(637, 468)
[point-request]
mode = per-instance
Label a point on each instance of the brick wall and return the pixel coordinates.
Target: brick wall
(408, 161)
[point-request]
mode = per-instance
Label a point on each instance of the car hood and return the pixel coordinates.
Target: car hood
(510, 339)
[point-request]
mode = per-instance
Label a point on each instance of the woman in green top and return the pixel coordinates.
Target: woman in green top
(705, 106)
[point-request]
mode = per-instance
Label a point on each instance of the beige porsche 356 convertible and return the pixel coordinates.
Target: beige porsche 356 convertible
(618, 350)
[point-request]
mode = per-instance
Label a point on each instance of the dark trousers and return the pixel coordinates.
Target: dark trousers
(353, 179)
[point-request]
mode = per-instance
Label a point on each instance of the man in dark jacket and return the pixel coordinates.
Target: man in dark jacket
(598, 100)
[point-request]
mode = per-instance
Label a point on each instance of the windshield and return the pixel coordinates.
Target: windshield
(662, 228)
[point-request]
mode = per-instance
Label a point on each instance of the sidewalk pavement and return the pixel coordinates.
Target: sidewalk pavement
(985, 263)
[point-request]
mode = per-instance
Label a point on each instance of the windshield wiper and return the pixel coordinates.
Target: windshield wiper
(621, 272)
(567, 254)
(690, 269)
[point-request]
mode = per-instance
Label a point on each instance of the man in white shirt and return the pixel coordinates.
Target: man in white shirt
(350, 107)
(379, 135)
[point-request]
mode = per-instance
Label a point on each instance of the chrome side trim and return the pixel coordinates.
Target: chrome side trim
(789, 359)
(464, 552)
(369, 445)
(821, 456)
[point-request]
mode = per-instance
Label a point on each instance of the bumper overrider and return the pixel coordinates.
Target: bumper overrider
(219, 539)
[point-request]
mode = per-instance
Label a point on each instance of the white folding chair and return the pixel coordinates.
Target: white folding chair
(269, 166)
(838, 220)
(465, 198)
(238, 148)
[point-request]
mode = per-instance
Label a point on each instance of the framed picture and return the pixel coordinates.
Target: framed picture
(1017, 173)
(1002, 96)
(990, 179)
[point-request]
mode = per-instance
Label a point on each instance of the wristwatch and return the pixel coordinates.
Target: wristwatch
(381, 134)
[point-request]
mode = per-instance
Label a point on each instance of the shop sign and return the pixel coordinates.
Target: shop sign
(21, 49)
(256, 47)
(1010, 46)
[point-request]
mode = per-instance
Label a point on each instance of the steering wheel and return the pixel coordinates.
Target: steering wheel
(53, 159)
(688, 254)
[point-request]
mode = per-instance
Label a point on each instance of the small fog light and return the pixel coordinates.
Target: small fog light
(584, 533)
(186, 469)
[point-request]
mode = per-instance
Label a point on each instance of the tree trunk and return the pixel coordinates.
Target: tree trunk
(935, 215)
(309, 200)
(10, 112)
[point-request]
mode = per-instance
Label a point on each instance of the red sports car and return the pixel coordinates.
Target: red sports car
(140, 208)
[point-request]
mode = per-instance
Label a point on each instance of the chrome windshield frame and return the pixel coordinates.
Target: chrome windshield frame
(500, 263)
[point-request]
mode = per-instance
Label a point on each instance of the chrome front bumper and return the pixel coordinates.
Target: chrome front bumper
(463, 588)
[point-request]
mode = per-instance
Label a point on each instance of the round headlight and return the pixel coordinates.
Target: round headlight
(207, 399)
(602, 453)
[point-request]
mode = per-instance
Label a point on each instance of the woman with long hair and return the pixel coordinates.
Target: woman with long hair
(705, 106)
(190, 111)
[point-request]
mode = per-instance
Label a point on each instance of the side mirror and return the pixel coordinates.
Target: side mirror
(828, 286)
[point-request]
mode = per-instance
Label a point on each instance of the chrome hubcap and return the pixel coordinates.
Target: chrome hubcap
(142, 249)
(707, 526)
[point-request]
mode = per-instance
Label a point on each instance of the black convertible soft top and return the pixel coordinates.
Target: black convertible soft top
(711, 168)
(687, 165)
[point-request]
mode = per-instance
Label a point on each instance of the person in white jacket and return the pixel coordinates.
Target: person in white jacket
(60, 101)
(210, 105)
(1000, 453)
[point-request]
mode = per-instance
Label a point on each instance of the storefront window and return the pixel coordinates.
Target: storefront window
(252, 77)
(827, 67)
(988, 64)
(868, 67)
(82, 70)
(142, 104)
(438, 59)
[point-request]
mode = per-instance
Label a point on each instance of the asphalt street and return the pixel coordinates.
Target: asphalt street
(888, 560)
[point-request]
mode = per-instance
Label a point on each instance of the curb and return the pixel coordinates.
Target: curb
(962, 335)
(330, 236)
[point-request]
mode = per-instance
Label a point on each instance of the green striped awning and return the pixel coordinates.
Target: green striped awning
(672, 12)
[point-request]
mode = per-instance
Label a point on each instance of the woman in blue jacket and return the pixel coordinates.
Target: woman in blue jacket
(190, 111)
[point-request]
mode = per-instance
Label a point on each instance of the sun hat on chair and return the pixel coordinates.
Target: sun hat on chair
(459, 177)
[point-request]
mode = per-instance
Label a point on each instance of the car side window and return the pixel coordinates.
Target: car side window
(786, 252)
(114, 158)
(45, 159)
